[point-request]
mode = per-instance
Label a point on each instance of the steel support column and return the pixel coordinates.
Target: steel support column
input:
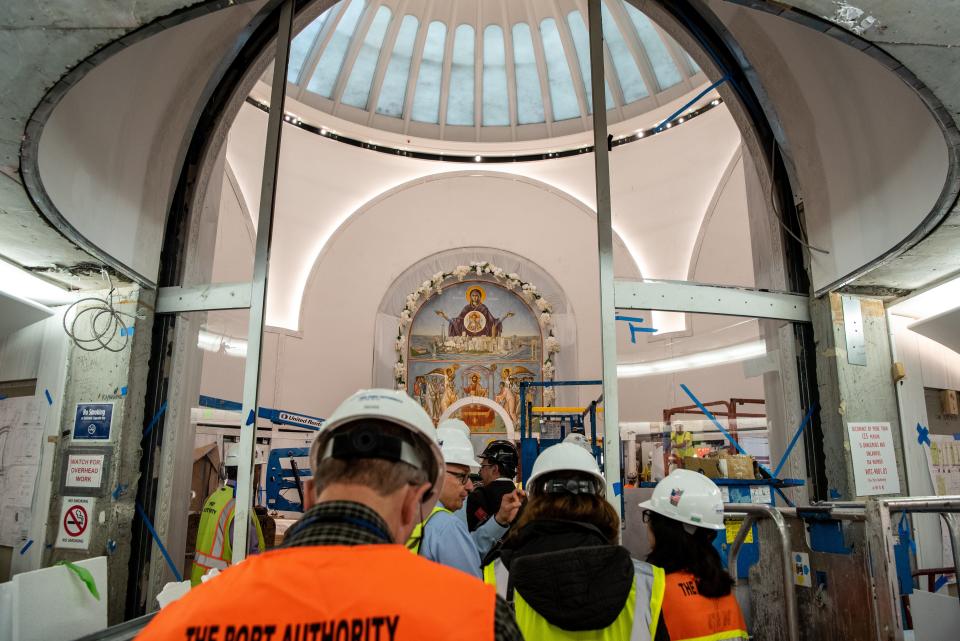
(601, 156)
(258, 294)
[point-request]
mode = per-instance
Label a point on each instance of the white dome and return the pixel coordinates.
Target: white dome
(482, 70)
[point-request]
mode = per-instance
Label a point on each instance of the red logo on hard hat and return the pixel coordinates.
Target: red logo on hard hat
(675, 495)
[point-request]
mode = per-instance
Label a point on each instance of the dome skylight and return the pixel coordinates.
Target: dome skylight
(482, 70)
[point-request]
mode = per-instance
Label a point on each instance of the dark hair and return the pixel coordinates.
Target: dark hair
(592, 509)
(676, 550)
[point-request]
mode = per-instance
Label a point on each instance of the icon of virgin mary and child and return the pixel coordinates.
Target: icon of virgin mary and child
(475, 318)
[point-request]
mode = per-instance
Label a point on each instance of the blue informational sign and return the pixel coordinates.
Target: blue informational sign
(93, 422)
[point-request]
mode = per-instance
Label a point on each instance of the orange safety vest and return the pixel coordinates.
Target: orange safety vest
(332, 593)
(690, 616)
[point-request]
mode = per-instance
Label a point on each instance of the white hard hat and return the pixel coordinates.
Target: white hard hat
(455, 424)
(577, 439)
(456, 447)
(395, 407)
(564, 457)
(688, 497)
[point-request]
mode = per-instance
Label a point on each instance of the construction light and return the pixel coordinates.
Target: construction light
(710, 358)
(935, 300)
(20, 283)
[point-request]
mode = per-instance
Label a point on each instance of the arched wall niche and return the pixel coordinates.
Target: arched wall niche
(366, 270)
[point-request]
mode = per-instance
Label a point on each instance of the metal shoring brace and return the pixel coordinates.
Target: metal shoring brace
(608, 332)
(258, 294)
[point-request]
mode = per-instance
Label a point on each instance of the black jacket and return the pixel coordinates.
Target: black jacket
(484, 502)
(568, 573)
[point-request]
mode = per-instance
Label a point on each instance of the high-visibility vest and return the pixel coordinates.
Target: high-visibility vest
(637, 621)
(416, 537)
(364, 592)
(690, 616)
(213, 548)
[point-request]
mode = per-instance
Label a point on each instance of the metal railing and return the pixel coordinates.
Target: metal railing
(751, 512)
(877, 516)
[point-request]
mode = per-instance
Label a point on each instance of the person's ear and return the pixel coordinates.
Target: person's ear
(309, 494)
(413, 500)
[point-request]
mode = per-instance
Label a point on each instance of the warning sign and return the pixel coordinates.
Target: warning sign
(84, 470)
(874, 459)
(75, 527)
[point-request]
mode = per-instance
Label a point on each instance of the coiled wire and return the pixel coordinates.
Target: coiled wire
(106, 325)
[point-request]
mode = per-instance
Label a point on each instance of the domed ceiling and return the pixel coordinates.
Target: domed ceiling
(482, 70)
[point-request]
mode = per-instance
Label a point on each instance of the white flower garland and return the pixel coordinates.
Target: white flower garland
(513, 282)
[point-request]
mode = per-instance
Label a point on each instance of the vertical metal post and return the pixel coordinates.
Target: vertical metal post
(608, 332)
(953, 527)
(882, 564)
(258, 295)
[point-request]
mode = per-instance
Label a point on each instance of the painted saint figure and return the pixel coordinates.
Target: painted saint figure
(475, 388)
(475, 318)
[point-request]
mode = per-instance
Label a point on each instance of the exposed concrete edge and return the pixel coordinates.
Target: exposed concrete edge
(29, 149)
(950, 193)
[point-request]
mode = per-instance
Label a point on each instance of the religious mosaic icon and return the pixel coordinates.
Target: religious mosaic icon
(470, 348)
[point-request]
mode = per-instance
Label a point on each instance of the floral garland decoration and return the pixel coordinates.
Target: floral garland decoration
(513, 282)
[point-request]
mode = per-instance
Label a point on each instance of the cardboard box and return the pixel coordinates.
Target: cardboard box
(737, 466)
(709, 467)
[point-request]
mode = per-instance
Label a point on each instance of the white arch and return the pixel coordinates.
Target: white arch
(306, 279)
(486, 402)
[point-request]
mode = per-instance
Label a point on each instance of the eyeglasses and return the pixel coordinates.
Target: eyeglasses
(645, 516)
(462, 477)
(483, 465)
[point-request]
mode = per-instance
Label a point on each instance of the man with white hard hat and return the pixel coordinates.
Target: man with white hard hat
(377, 470)
(443, 537)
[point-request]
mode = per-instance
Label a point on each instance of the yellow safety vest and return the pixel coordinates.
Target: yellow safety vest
(213, 534)
(416, 537)
(637, 621)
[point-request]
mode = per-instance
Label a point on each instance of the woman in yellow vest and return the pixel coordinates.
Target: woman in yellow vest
(683, 517)
(561, 563)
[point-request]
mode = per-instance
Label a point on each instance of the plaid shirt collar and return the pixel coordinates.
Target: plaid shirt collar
(338, 523)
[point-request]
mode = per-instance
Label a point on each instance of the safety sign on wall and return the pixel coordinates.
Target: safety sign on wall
(93, 422)
(76, 515)
(84, 470)
(874, 459)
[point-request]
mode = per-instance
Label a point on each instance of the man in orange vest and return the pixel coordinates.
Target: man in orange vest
(340, 573)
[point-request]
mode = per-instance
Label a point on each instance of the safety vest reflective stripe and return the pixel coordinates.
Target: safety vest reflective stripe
(497, 575)
(356, 592)
(692, 617)
(222, 531)
(416, 537)
(209, 561)
(638, 618)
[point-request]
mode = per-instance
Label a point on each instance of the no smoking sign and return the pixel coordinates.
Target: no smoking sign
(75, 517)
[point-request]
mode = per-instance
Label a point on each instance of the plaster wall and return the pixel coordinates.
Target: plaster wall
(866, 155)
(110, 153)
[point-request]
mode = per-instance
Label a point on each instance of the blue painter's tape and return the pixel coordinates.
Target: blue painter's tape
(956, 436)
(834, 494)
(155, 419)
(630, 319)
(156, 537)
(49, 398)
(250, 418)
(126, 331)
(119, 491)
(719, 426)
(939, 583)
(26, 546)
(111, 546)
(2, 397)
(923, 435)
(617, 489)
(123, 391)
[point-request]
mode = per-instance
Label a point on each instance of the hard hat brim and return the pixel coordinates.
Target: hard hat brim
(648, 505)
